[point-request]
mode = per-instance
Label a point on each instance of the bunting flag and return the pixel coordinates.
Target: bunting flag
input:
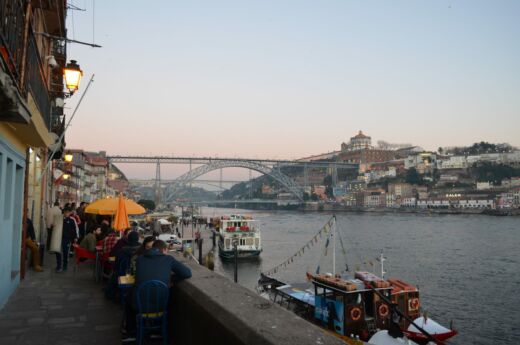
(324, 230)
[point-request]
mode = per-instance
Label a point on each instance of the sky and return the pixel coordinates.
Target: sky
(291, 78)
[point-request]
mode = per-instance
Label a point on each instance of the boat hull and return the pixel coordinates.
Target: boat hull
(242, 254)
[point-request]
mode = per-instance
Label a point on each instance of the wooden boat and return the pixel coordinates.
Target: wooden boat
(357, 306)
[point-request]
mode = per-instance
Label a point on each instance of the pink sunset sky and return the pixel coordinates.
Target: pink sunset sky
(287, 79)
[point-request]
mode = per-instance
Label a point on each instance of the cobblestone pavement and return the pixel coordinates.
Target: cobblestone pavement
(60, 308)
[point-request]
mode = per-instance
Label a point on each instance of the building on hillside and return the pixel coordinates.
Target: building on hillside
(404, 152)
(374, 197)
(359, 150)
(32, 61)
(409, 202)
(435, 203)
(358, 142)
(355, 186)
(423, 162)
(402, 190)
(511, 183)
(452, 162)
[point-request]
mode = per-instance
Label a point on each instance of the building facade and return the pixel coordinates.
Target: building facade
(31, 119)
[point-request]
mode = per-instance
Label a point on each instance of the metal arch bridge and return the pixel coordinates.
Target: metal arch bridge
(191, 175)
(269, 167)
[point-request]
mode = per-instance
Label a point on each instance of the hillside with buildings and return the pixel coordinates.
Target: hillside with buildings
(482, 176)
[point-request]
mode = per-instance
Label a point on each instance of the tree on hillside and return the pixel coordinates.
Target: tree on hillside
(495, 173)
(147, 204)
(413, 177)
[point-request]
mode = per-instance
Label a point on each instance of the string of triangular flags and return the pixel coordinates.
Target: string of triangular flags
(323, 231)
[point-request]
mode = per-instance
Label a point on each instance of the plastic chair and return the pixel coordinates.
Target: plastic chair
(152, 305)
(122, 267)
(83, 256)
(82, 253)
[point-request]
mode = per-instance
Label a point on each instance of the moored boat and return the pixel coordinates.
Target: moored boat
(356, 305)
(240, 233)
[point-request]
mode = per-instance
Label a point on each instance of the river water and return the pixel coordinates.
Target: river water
(467, 267)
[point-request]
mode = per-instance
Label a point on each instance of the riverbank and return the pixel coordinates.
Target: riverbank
(335, 207)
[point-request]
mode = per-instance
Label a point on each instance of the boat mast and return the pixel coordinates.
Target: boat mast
(382, 260)
(334, 247)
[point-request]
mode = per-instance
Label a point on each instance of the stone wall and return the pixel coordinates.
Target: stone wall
(211, 309)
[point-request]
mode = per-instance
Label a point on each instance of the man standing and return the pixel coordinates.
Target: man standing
(30, 242)
(69, 236)
(53, 215)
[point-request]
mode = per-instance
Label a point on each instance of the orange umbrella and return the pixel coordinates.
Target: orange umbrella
(121, 221)
(109, 207)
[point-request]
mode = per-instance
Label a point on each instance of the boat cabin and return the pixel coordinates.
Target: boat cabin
(242, 231)
(346, 306)
(406, 296)
(236, 224)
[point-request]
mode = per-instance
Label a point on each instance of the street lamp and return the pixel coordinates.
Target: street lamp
(68, 157)
(72, 75)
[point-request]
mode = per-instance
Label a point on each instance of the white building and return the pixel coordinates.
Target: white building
(409, 202)
(473, 203)
(453, 162)
(423, 161)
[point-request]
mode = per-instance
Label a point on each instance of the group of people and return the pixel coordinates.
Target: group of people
(146, 259)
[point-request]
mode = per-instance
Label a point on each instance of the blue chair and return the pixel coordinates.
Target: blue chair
(152, 305)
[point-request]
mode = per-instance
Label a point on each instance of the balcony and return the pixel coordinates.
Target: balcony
(27, 83)
(12, 93)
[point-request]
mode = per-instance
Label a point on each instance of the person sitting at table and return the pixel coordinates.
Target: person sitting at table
(154, 264)
(109, 242)
(124, 256)
(123, 241)
(105, 229)
(147, 244)
(123, 262)
(89, 241)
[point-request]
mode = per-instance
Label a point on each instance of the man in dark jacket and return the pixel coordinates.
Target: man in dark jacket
(122, 242)
(154, 264)
(69, 236)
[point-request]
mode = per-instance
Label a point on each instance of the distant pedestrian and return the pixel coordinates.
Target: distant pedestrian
(54, 215)
(69, 236)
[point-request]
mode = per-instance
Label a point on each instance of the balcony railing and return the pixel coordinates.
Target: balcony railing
(12, 22)
(36, 81)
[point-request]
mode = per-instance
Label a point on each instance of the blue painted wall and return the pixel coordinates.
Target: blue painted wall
(12, 172)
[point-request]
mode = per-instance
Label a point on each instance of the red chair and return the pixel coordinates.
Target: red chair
(82, 253)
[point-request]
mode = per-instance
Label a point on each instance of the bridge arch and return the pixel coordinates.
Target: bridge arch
(283, 179)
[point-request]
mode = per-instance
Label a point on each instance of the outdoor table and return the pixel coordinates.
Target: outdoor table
(126, 281)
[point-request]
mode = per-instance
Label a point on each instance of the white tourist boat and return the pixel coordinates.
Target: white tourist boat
(239, 231)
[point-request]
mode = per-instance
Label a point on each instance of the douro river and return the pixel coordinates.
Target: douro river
(467, 267)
